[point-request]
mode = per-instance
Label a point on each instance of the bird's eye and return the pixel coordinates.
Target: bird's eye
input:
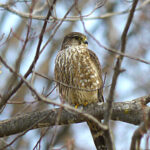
(76, 37)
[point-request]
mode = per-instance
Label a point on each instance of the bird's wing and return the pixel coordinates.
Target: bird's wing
(95, 59)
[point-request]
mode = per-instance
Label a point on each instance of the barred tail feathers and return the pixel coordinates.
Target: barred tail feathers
(97, 135)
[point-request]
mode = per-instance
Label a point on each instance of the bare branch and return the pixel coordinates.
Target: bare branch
(6, 97)
(76, 18)
(119, 62)
(129, 111)
(73, 18)
(108, 111)
(139, 132)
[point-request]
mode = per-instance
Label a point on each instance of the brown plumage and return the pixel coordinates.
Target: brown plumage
(78, 76)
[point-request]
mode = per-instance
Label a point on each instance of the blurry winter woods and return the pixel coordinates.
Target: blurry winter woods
(29, 43)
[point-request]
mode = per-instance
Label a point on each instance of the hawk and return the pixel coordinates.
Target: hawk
(78, 76)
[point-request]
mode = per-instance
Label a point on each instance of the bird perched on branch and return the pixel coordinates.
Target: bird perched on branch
(79, 78)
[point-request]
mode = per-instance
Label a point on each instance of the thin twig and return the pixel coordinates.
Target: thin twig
(139, 133)
(6, 97)
(118, 63)
(108, 111)
(66, 85)
(42, 135)
(77, 18)
(73, 18)
(51, 37)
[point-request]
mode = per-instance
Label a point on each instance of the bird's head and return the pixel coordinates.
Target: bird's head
(74, 39)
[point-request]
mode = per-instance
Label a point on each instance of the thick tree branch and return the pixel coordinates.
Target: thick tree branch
(131, 112)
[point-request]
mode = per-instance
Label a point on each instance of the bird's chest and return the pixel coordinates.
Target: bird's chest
(74, 58)
(74, 63)
(77, 69)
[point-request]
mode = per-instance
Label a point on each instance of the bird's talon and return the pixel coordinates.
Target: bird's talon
(86, 103)
(76, 106)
